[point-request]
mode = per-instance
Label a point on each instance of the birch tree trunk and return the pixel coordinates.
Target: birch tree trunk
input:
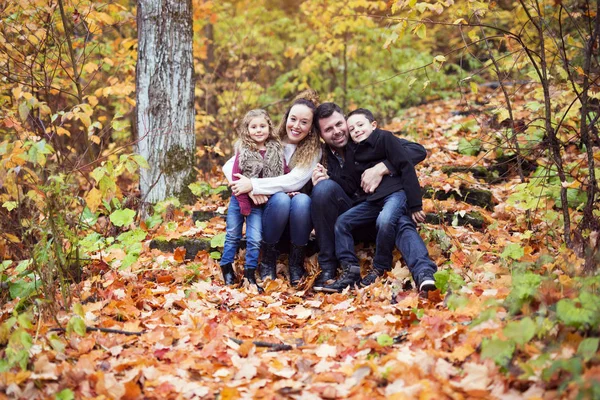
(165, 98)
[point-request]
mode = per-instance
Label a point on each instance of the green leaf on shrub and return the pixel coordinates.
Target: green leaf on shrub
(65, 394)
(588, 348)
(520, 331)
(21, 289)
(77, 325)
(469, 148)
(122, 217)
(513, 251)
(218, 240)
(385, 340)
(448, 279)
(10, 205)
(500, 351)
(215, 255)
(574, 314)
(25, 321)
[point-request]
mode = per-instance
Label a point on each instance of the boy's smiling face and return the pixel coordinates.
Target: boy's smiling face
(360, 127)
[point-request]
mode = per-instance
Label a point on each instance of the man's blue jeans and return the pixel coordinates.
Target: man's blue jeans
(283, 212)
(235, 221)
(385, 213)
(330, 201)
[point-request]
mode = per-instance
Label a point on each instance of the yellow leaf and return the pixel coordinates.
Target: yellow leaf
(60, 131)
(93, 100)
(93, 199)
(90, 67)
(108, 61)
(474, 87)
(12, 238)
(95, 139)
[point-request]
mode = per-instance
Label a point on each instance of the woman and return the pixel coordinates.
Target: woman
(286, 207)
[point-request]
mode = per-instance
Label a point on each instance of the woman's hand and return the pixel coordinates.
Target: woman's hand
(241, 186)
(259, 199)
(418, 217)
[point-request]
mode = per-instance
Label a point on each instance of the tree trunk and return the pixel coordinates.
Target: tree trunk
(165, 98)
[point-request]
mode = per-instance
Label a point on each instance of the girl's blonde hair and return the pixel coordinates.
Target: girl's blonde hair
(309, 147)
(245, 138)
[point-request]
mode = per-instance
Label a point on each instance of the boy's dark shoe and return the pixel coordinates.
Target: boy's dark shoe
(296, 264)
(372, 276)
(250, 276)
(268, 264)
(228, 274)
(350, 276)
(425, 283)
(326, 274)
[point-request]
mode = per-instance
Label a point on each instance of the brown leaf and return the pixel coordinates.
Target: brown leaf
(179, 254)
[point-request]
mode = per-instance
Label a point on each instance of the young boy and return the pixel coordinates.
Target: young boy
(397, 194)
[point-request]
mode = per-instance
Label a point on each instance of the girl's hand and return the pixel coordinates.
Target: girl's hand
(418, 216)
(241, 186)
(258, 199)
(292, 194)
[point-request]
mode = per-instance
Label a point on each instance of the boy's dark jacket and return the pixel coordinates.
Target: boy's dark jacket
(397, 154)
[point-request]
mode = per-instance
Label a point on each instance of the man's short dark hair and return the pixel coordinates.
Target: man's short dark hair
(363, 111)
(325, 110)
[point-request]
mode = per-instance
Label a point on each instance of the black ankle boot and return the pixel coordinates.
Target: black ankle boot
(228, 274)
(250, 276)
(327, 274)
(268, 264)
(296, 264)
(350, 276)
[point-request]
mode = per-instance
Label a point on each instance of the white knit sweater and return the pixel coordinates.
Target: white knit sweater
(291, 182)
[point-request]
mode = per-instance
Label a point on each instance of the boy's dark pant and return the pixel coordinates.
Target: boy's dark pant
(385, 213)
(330, 201)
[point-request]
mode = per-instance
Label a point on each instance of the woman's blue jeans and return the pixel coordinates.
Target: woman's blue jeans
(235, 222)
(283, 212)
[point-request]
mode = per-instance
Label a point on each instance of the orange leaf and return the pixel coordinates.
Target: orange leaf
(179, 254)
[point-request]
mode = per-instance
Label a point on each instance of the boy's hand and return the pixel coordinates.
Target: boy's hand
(418, 217)
(319, 174)
(258, 199)
(371, 178)
(241, 186)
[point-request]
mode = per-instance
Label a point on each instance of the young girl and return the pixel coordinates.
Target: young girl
(259, 154)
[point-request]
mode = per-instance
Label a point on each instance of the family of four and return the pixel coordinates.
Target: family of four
(359, 185)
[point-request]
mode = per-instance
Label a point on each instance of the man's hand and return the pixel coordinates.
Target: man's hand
(418, 217)
(241, 186)
(371, 178)
(319, 174)
(258, 199)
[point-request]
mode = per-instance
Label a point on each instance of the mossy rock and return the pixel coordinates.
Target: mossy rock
(476, 197)
(473, 219)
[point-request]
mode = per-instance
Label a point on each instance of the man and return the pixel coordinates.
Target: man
(328, 201)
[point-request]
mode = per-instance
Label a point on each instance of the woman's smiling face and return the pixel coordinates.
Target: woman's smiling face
(299, 123)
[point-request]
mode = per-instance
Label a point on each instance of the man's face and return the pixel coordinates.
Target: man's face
(360, 127)
(334, 130)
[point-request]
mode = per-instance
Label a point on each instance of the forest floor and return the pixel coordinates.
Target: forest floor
(197, 338)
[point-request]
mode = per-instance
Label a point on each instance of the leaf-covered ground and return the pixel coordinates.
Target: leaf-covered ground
(201, 339)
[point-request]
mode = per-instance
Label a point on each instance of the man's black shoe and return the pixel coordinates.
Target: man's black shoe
(372, 276)
(327, 274)
(350, 276)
